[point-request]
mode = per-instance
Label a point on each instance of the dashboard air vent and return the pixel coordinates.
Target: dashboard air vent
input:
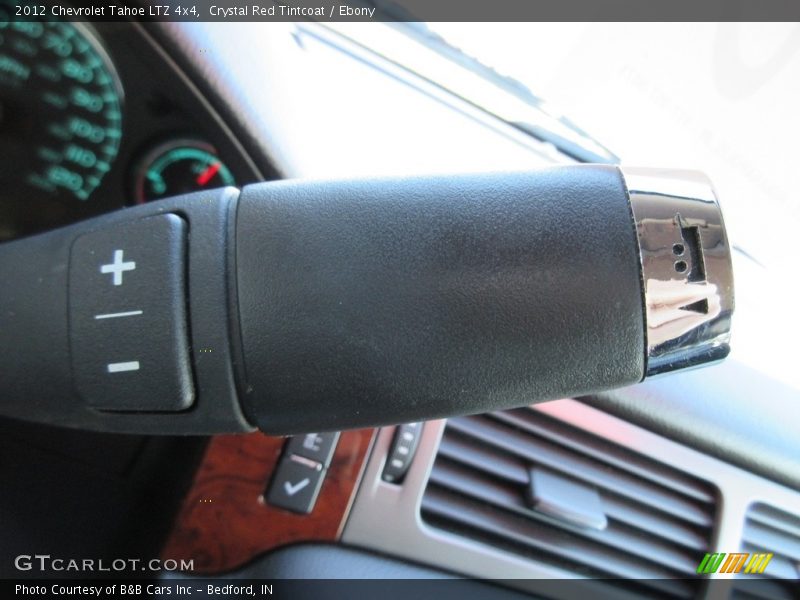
(634, 518)
(771, 531)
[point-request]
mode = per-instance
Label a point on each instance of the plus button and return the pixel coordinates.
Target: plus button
(118, 267)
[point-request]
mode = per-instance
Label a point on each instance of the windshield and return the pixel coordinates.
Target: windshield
(670, 94)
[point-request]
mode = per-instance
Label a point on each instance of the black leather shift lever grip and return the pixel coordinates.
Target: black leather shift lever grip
(310, 306)
(378, 301)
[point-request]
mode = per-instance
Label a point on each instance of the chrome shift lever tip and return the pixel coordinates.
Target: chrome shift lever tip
(687, 274)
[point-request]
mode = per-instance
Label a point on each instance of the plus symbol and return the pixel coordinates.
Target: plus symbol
(118, 267)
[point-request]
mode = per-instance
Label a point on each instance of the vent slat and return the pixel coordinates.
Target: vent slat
(649, 548)
(659, 519)
(574, 465)
(779, 567)
(787, 524)
(468, 484)
(619, 508)
(628, 512)
(523, 532)
(768, 529)
(504, 466)
(607, 452)
(772, 540)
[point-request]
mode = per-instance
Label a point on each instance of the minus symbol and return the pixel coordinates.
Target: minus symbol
(130, 313)
(121, 367)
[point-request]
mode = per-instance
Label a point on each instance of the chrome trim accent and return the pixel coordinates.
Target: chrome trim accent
(687, 273)
(386, 517)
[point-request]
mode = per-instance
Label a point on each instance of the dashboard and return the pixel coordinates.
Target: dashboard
(102, 116)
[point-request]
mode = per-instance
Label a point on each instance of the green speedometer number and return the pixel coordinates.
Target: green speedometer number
(59, 85)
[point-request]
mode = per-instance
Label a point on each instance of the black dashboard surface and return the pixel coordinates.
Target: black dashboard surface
(729, 411)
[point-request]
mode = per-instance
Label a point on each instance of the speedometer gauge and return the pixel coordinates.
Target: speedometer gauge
(60, 118)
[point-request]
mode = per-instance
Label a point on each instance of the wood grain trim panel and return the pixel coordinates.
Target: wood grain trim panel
(224, 522)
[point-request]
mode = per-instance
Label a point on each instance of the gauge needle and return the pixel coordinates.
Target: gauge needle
(206, 175)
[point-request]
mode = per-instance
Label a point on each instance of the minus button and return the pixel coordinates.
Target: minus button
(121, 367)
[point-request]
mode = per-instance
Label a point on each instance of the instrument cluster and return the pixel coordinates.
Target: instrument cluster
(94, 117)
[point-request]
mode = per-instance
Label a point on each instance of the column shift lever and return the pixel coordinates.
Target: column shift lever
(301, 306)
